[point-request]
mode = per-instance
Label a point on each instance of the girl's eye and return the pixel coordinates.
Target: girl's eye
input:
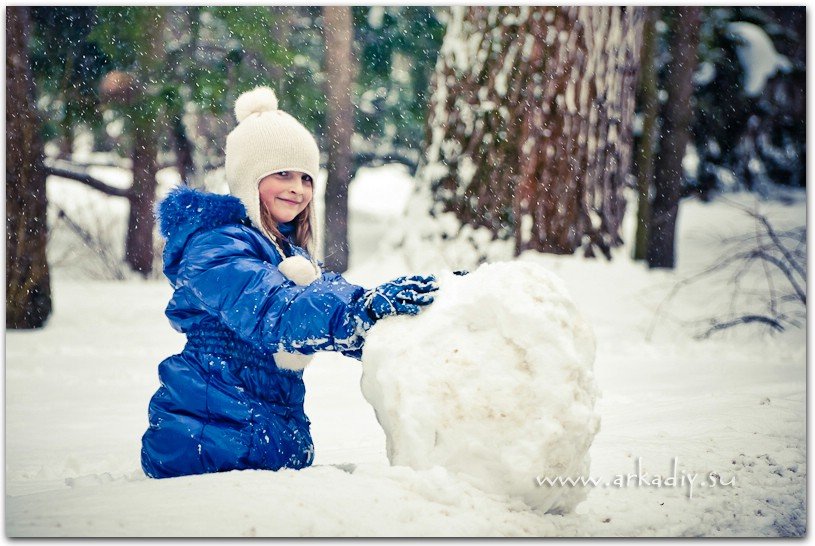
(283, 174)
(307, 179)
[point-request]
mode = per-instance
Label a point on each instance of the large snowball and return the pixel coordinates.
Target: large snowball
(493, 381)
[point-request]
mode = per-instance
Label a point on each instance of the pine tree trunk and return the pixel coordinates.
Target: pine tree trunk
(28, 284)
(674, 134)
(66, 143)
(143, 113)
(183, 149)
(531, 120)
(281, 30)
(645, 151)
(139, 242)
(338, 28)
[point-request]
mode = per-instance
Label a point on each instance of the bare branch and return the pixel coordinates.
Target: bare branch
(787, 272)
(770, 286)
(769, 229)
(746, 319)
(766, 246)
(373, 159)
(88, 180)
(92, 242)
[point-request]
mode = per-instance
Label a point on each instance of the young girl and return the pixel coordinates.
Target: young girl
(254, 306)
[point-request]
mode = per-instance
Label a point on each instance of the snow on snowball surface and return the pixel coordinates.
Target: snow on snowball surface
(493, 382)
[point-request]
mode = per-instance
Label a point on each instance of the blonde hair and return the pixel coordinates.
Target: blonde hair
(303, 233)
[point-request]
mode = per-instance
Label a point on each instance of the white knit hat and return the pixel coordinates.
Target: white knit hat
(266, 140)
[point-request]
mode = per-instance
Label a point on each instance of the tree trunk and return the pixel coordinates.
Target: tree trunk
(183, 149)
(677, 115)
(281, 30)
(66, 143)
(645, 151)
(143, 113)
(139, 243)
(28, 283)
(338, 28)
(183, 24)
(531, 120)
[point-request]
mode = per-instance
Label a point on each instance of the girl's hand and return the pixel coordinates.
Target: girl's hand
(402, 296)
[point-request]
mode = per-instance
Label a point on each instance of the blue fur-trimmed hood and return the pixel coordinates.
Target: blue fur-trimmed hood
(185, 211)
(188, 210)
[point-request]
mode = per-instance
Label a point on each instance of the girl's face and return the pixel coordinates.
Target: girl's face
(286, 194)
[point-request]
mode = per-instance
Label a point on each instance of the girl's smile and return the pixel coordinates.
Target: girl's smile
(286, 194)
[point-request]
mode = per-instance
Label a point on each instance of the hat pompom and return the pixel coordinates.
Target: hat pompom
(256, 101)
(299, 270)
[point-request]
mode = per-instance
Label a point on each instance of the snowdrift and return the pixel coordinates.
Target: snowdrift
(493, 382)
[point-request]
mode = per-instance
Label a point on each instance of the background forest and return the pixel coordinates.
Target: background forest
(533, 133)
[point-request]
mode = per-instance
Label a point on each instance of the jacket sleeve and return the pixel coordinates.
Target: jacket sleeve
(226, 275)
(335, 278)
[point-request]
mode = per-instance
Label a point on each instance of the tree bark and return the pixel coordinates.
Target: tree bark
(281, 29)
(644, 154)
(338, 28)
(531, 120)
(143, 113)
(139, 241)
(28, 284)
(674, 134)
(183, 24)
(183, 149)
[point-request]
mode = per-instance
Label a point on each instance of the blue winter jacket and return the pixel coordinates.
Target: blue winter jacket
(223, 403)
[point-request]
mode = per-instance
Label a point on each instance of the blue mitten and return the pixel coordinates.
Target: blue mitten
(402, 296)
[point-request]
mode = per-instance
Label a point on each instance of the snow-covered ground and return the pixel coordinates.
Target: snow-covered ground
(733, 405)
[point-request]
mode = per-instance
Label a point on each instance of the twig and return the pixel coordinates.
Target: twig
(777, 242)
(770, 285)
(784, 269)
(91, 242)
(773, 252)
(746, 319)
